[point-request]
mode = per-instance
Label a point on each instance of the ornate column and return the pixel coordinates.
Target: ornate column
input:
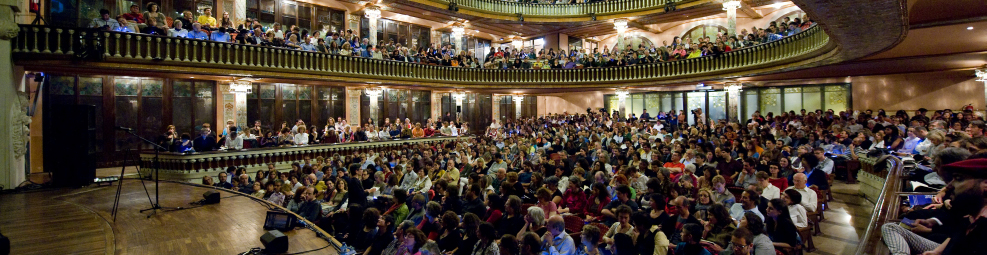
(239, 12)
(436, 106)
(622, 95)
(621, 26)
(495, 108)
(374, 93)
(458, 30)
(13, 101)
(240, 89)
(982, 77)
(458, 96)
(353, 105)
(518, 98)
(731, 7)
(372, 12)
(733, 101)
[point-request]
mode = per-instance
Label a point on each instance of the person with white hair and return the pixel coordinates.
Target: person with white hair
(534, 221)
(556, 240)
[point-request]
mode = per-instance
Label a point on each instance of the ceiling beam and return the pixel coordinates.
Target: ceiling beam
(747, 9)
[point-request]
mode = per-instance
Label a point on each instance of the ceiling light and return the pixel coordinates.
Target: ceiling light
(969, 28)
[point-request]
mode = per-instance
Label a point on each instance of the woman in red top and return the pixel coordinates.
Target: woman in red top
(775, 177)
(495, 208)
(598, 198)
(574, 198)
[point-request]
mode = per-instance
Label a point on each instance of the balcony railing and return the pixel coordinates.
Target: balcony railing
(150, 52)
(191, 167)
(510, 9)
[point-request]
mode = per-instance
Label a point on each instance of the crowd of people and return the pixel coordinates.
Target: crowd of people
(347, 43)
(598, 183)
(335, 131)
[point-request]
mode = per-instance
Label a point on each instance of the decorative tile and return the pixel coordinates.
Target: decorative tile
(62, 85)
(181, 89)
(835, 88)
(652, 101)
(91, 86)
(812, 89)
(304, 93)
(771, 91)
(151, 88)
(793, 90)
(204, 90)
(288, 92)
(268, 92)
(126, 86)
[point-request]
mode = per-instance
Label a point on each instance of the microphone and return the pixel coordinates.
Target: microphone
(125, 129)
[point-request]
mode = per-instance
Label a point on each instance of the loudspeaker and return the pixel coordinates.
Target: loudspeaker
(274, 242)
(4, 245)
(210, 197)
(70, 144)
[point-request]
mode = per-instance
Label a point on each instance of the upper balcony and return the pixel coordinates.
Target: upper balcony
(50, 47)
(536, 12)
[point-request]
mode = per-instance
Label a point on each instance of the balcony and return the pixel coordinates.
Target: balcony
(41, 47)
(499, 9)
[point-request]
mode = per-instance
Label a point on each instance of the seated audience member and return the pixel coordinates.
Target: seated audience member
(768, 190)
(104, 22)
(691, 234)
(809, 196)
(776, 177)
(590, 241)
(673, 226)
(720, 226)
(556, 240)
(534, 221)
(197, 33)
(793, 199)
(623, 198)
(720, 193)
(748, 203)
(779, 226)
(761, 243)
(622, 225)
(310, 208)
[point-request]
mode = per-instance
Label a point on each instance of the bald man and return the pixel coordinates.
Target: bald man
(808, 196)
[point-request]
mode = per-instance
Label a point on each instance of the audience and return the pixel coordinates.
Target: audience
(529, 176)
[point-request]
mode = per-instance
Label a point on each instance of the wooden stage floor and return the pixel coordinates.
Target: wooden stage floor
(78, 221)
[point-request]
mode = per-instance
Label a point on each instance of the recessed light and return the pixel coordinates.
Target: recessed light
(191, 77)
(969, 28)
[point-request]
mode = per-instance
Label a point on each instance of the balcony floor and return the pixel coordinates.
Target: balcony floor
(846, 221)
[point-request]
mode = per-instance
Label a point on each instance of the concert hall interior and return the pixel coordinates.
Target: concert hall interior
(487, 127)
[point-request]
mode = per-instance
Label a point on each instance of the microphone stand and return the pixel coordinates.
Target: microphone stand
(156, 205)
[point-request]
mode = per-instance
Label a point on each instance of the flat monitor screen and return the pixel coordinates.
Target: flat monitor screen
(279, 220)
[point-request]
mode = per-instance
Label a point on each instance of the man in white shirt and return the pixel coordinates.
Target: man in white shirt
(104, 22)
(748, 203)
(768, 190)
(809, 198)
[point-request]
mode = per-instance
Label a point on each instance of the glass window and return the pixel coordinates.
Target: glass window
(717, 105)
(811, 98)
(793, 99)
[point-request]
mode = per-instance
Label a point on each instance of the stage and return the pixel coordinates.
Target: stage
(78, 221)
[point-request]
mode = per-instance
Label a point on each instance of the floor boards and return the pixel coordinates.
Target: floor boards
(78, 221)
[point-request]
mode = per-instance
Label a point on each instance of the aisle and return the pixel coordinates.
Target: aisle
(846, 221)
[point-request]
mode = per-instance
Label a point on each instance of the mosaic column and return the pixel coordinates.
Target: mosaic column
(239, 12)
(13, 102)
(731, 8)
(353, 105)
(621, 26)
(622, 95)
(372, 13)
(436, 106)
(733, 101)
(458, 97)
(517, 106)
(374, 94)
(495, 107)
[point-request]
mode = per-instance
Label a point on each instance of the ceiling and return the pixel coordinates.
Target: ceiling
(497, 29)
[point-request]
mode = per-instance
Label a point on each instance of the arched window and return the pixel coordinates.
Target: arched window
(703, 31)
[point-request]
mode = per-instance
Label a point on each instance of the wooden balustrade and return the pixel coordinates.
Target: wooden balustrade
(192, 166)
(40, 42)
(509, 9)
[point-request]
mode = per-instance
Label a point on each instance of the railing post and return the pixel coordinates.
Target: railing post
(58, 41)
(71, 50)
(168, 49)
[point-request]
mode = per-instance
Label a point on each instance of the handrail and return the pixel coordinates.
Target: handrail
(870, 243)
(508, 9)
(47, 43)
(188, 167)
